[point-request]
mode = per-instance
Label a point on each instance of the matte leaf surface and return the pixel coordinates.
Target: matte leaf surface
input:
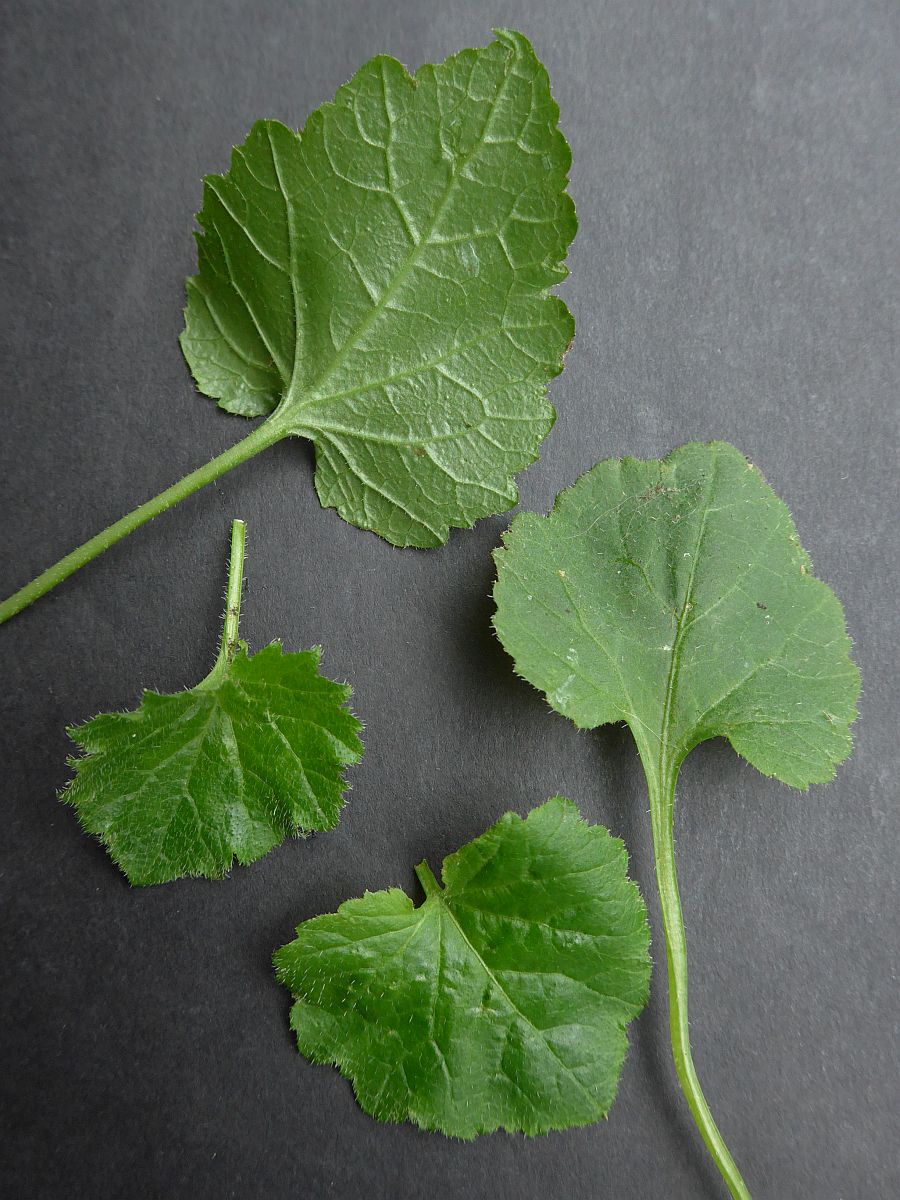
(254, 753)
(382, 279)
(675, 595)
(501, 1001)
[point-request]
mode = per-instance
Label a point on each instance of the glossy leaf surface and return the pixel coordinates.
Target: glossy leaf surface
(501, 1001)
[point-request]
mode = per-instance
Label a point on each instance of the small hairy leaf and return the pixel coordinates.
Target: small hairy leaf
(187, 783)
(500, 1002)
(675, 595)
(382, 279)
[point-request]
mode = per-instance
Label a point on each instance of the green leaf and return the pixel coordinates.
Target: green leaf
(380, 283)
(187, 783)
(382, 279)
(500, 1002)
(675, 595)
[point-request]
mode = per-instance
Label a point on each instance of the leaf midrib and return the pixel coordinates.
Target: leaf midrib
(670, 758)
(665, 762)
(444, 907)
(311, 396)
(292, 260)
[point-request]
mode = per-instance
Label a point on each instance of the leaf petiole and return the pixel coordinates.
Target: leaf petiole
(230, 643)
(662, 811)
(263, 436)
(235, 584)
(425, 876)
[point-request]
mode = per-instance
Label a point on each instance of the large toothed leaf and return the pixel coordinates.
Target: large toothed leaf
(384, 275)
(501, 1001)
(675, 595)
(187, 783)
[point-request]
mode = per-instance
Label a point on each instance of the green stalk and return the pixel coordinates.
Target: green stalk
(233, 595)
(266, 434)
(425, 875)
(232, 619)
(662, 811)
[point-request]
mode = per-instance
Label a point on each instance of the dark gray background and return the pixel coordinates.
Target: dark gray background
(737, 275)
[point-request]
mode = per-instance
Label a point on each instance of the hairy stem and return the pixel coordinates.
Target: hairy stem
(662, 809)
(263, 435)
(232, 619)
(235, 585)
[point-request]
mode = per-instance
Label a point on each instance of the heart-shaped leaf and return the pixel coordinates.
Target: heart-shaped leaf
(501, 1001)
(675, 595)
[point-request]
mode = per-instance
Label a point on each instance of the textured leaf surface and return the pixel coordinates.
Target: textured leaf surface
(385, 274)
(187, 783)
(500, 1002)
(675, 595)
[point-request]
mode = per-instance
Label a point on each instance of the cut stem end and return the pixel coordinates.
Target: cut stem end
(229, 644)
(235, 586)
(430, 885)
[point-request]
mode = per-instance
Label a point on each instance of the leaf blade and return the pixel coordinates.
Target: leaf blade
(186, 784)
(479, 1009)
(676, 596)
(424, 221)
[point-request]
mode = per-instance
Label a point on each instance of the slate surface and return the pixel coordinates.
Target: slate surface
(737, 275)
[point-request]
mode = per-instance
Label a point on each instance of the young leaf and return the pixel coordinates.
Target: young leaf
(675, 596)
(500, 1002)
(254, 753)
(380, 283)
